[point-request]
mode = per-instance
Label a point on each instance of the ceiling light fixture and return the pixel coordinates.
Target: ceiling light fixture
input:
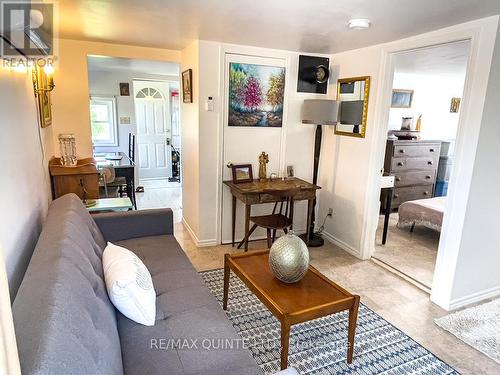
(359, 23)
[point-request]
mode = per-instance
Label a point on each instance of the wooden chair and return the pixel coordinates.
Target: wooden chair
(282, 220)
(120, 182)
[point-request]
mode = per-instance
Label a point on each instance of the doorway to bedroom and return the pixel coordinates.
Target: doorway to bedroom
(428, 85)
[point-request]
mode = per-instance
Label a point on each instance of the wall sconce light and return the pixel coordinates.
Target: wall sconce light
(43, 79)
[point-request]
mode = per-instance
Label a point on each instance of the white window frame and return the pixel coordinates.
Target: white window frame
(110, 101)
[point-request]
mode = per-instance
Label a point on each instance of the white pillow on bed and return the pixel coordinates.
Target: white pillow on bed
(129, 284)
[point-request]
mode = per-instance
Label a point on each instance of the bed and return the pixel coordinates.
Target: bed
(427, 212)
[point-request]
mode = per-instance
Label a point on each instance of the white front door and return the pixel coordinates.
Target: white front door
(152, 112)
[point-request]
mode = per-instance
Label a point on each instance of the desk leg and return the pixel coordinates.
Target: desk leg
(388, 202)
(234, 219)
(247, 224)
(309, 219)
(353, 317)
(227, 273)
(285, 338)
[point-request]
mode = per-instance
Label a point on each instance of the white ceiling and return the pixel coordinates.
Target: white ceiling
(105, 63)
(301, 25)
(445, 59)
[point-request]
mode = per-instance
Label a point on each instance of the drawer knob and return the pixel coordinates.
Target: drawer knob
(431, 150)
(426, 193)
(396, 195)
(428, 177)
(400, 163)
(429, 162)
(398, 179)
(401, 151)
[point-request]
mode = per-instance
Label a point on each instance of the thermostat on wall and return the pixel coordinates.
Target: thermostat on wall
(209, 104)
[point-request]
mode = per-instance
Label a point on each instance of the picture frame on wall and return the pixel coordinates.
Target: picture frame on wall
(241, 173)
(455, 105)
(43, 99)
(187, 86)
(256, 95)
(401, 98)
(124, 89)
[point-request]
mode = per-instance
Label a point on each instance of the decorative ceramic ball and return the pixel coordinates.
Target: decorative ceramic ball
(289, 258)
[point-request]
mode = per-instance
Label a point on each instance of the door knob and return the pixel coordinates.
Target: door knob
(167, 141)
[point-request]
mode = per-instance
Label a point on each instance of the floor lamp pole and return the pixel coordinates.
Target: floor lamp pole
(314, 239)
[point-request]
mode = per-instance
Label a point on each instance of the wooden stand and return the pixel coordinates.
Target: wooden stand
(83, 177)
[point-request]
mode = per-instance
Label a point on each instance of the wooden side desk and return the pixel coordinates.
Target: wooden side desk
(251, 193)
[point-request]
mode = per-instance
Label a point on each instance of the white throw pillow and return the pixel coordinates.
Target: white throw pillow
(129, 284)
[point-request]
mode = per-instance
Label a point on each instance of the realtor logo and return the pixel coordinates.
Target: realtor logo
(27, 27)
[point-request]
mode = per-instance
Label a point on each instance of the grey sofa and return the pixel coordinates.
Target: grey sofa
(65, 323)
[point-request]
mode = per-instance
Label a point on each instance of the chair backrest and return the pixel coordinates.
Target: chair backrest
(131, 146)
(108, 173)
(285, 200)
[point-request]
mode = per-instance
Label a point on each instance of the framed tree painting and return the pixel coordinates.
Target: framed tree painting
(256, 95)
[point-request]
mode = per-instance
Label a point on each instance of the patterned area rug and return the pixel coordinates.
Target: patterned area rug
(477, 326)
(319, 346)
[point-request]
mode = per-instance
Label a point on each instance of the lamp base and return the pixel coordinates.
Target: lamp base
(314, 240)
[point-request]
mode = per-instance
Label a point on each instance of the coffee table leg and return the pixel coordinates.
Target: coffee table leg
(353, 317)
(227, 272)
(285, 338)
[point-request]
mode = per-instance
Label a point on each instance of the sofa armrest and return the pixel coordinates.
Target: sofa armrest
(118, 226)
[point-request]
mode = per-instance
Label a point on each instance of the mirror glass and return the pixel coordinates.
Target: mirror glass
(352, 95)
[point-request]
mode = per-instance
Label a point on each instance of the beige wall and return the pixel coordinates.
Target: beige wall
(25, 149)
(190, 141)
(71, 96)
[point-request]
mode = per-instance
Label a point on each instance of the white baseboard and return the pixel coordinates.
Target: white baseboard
(196, 240)
(344, 246)
(473, 298)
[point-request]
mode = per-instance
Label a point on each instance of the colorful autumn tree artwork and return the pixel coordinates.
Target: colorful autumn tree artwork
(256, 94)
(252, 94)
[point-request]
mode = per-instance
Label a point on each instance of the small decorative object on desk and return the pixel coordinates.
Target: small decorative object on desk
(289, 258)
(67, 146)
(407, 123)
(263, 160)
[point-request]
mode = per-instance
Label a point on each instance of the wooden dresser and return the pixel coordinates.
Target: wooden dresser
(66, 180)
(414, 167)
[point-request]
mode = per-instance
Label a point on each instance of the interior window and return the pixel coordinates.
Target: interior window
(103, 121)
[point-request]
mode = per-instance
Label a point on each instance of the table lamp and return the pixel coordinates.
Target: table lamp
(317, 112)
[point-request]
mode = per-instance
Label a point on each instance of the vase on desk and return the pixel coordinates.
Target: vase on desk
(67, 146)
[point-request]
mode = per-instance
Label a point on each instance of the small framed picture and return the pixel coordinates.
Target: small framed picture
(455, 105)
(124, 89)
(401, 98)
(242, 173)
(289, 171)
(187, 86)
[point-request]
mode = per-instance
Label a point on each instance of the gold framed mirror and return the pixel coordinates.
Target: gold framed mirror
(352, 96)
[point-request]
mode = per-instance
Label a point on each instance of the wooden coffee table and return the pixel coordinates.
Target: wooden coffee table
(312, 297)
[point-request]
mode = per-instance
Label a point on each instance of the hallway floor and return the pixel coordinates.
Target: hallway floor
(161, 194)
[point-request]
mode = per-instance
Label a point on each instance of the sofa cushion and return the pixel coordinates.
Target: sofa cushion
(63, 318)
(188, 317)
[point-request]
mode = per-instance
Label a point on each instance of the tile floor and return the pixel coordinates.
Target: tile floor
(160, 194)
(399, 302)
(413, 254)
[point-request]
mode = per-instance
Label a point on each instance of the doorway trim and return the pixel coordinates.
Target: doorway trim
(481, 34)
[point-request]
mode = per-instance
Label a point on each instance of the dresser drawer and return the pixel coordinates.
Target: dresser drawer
(404, 164)
(413, 178)
(401, 151)
(410, 193)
